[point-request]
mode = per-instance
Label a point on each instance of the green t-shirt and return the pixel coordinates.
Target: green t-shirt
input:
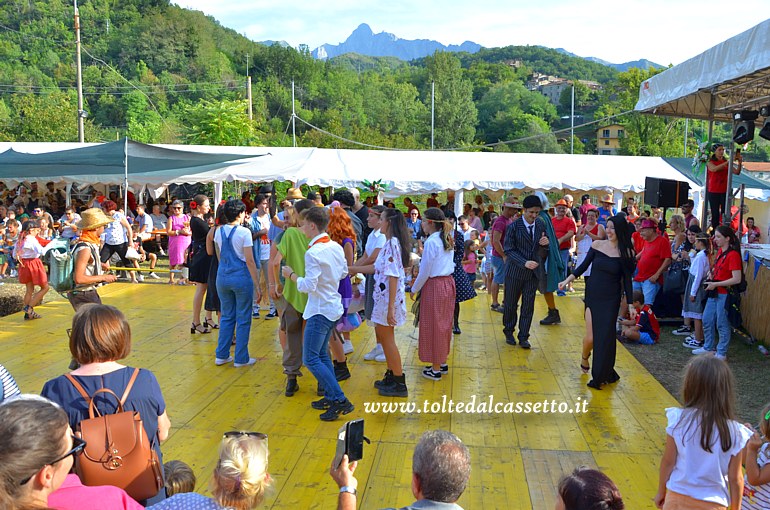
(292, 246)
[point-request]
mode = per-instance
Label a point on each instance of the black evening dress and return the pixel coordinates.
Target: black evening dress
(609, 278)
(200, 261)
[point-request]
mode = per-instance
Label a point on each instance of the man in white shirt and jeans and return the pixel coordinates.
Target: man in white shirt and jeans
(325, 266)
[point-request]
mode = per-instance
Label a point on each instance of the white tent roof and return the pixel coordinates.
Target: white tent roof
(735, 73)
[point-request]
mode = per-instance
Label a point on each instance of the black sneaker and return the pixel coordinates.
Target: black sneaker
(291, 387)
(397, 387)
(552, 318)
(444, 368)
(428, 373)
(341, 371)
(322, 404)
(456, 330)
(525, 344)
(272, 315)
(337, 408)
(682, 331)
(510, 340)
(385, 381)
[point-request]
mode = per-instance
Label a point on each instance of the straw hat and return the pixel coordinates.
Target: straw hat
(294, 194)
(607, 199)
(512, 205)
(93, 218)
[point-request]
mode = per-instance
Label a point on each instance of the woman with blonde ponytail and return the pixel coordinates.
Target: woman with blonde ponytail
(437, 291)
(240, 480)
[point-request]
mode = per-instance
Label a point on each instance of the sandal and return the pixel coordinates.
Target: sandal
(31, 314)
(211, 325)
(585, 368)
(199, 328)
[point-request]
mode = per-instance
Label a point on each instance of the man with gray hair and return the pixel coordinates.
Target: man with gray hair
(441, 467)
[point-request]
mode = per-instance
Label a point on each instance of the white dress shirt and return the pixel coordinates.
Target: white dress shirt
(436, 261)
(325, 266)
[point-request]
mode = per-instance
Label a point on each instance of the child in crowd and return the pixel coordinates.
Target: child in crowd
(645, 330)
(31, 271)
(436, 285)
(411, 276)
(486, 265)
(695, 293)
(325, 266)
(179, 476)
(9, 242)
(701, 465)
(470, 259)
(756, 457)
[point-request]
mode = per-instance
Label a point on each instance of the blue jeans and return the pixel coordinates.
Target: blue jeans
(235, 295)
(565, 258)
(315, 355)
(649, 289)
(715, 316)
(498, 266)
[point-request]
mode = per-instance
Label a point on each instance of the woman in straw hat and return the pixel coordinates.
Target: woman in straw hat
(87, 272)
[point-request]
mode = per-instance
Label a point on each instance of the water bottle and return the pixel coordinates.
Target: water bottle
(764, 350)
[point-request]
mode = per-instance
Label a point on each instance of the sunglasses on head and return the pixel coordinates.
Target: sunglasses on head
(239, 433)
(78, 445)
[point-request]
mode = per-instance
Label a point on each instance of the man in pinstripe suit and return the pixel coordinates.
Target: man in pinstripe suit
(525, 249)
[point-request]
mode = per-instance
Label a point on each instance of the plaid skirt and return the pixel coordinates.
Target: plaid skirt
(32, 270)
(436, 313)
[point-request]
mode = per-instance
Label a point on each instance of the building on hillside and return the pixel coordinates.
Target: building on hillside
(757, 169)
(554, 88)
(608, 139)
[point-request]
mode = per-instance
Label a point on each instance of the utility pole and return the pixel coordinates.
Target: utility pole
(572, 123)
(81, 112)
(432, 111)
(293, 117)
(248, 88)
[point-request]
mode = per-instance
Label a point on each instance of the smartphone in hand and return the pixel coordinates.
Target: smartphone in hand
(350, 442)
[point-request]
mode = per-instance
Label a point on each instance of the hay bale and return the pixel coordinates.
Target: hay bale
(10, 303)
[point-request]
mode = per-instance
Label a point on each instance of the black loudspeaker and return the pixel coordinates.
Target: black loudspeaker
(665, 192)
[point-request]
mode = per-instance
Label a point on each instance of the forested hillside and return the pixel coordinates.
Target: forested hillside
(159, 73)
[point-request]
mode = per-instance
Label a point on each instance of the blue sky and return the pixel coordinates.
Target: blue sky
(663, 31)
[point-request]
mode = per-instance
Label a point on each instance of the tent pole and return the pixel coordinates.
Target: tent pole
(740, 213)
(704, 208)
(69, 194)
(125, 177)
(726, 216)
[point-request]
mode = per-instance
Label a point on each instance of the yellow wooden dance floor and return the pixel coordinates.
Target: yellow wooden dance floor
(517, 459)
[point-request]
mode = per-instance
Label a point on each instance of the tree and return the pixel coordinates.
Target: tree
(456, 114)
(509, 101)
(219, 123)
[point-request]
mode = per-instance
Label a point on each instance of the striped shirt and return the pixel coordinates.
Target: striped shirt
(758, 498)
(10, 388)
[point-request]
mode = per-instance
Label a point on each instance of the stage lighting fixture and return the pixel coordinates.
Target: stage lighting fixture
(765, 131)
(744, 129)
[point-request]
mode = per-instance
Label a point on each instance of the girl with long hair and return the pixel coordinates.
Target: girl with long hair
(212, 303)
(31, 271)
(200, 261)
(726, 271)
(389, 309)
(374, 243)
(612, 263)
(701, 465)
(341, 231)
(588, 489)
(756, 495)
(436, 287)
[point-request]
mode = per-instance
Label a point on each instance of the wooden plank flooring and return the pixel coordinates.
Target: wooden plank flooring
(517, 458)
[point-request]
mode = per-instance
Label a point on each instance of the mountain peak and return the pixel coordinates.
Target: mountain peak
(363, 30)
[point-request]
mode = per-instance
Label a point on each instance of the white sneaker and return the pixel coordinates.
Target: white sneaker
(162, 253)
(719, 356)
(369, 356)
(140, 277)
(220, 361)
(701, 350)
(248, 363)
(154, 276)
(347, 346)
(380, 358)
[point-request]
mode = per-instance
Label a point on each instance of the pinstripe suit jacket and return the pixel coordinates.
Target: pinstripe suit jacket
(519, 247)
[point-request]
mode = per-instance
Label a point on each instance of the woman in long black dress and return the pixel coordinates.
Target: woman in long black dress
(613, 266)
(200, 261)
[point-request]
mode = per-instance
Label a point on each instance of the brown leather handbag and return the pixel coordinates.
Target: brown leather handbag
(118, 452)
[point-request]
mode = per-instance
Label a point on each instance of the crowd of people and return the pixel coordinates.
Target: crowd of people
(324, 267)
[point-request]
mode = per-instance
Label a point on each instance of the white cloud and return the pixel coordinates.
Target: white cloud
(664, 31)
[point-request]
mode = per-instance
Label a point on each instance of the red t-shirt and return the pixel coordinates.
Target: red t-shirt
(431, 202)
(717, 181)
(653, 255)
(734, 221)
(561, 227)
(500, 224)
(636, 238)
(724, 267)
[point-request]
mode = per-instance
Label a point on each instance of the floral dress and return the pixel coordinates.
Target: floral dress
(388, 264)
